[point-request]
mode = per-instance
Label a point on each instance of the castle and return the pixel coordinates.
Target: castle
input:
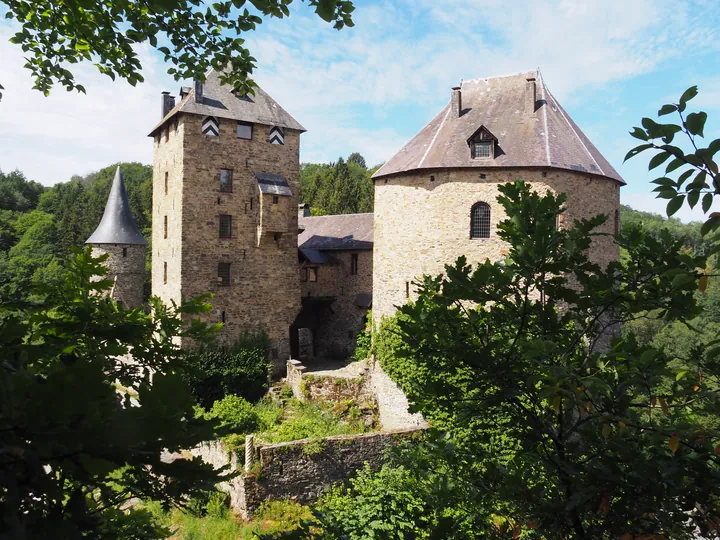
(226, 218)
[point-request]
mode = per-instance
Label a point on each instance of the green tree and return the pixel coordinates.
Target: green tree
(17, 193)
(84, 429)
(343, 187)
(357, 158)
(604, 442)
(193, 35)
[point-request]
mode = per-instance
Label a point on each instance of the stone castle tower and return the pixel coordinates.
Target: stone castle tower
(225, 192)
(436, 199)
(118, 235)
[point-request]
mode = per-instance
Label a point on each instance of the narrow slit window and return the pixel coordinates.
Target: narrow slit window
(165, 273)
(124, 252)
(226, 180)
(225, 226)
(165, 227)
(407, 289)
(223, 271)
(166, 183)
(480, 220)
(244, 130)
(354, 264)
(251, 203)
(223, 317)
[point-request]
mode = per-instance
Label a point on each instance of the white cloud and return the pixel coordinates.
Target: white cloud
(367, 88)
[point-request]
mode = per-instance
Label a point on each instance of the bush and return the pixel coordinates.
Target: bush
(310, 421)
(242, 369)
(236, 413)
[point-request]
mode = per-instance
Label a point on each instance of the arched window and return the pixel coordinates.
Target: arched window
(480, 220)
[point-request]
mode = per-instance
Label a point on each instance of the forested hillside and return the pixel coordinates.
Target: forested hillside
(343, 187)
(39, 225)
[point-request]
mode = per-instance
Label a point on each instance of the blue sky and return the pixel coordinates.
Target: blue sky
(372, 87)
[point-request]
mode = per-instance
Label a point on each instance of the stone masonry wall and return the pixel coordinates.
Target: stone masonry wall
(301, 470)
(168, 160)
(421, 225)
(306, 386)
(127, 270)
(335, 335)
(264, 288)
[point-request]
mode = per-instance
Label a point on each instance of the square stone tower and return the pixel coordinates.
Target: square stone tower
(225, 192)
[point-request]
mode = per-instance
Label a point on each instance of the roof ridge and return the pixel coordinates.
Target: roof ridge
(546, 130)
(437, 132)
(577, 136)
(505, 76)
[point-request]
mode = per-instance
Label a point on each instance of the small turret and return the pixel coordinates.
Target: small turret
(118, 235)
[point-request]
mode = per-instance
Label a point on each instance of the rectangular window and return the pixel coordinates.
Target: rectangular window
(165, 226)
(354, 264)
(244, 130)
(481, 150)
(226, 180)
(303, 274)
(166, 183)
(224, 274)
(276, 199)
(222, 315)
(124, 252)
(312, 274)
(165, 273)
(251, 203)
(225, 226)
(407, 289)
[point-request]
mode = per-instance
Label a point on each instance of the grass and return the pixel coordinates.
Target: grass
(272, 518)
(311, 420)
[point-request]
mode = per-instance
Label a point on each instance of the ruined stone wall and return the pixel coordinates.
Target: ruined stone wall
(335, 335)
(421, 225)
(127, 268)
(264, 290)
(307, 386)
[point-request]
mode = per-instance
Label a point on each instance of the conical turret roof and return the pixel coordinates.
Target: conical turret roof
(117, 225)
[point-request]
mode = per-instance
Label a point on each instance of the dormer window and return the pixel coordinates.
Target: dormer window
(481, 150)
(482, 144)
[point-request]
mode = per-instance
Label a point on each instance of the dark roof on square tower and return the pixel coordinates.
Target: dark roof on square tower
(221, 101)
(531, 127)
(117, 225)
(340, 232)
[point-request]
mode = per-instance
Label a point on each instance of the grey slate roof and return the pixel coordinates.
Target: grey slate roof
(117, 225)
(273, 184)
(549, 138)
(341, 232)
(314, 256)
(218, 100)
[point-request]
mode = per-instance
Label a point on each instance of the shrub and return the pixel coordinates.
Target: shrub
(309, 421)
(242, 369)
(236, 413)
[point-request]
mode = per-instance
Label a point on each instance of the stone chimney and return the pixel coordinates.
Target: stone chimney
(168, 102)
(530, 95)
(303, 210)
(198, 91)
(456, 102)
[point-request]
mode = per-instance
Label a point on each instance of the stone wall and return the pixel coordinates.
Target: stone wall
(392, 404)
(337, 327)
(127, 268)
(307, 386)
(302, 470)
(423, 224)
(264, 287)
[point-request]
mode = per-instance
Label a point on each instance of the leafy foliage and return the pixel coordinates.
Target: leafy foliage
(698, 172)
(236, 413)
(344, 187)
(242, 369)
(193, 36)
(73, 447)
(603, 441)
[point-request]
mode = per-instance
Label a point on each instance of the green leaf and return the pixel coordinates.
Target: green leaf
(687, 96)
(711, 224)
(639, 133)
(674, 164)
(674, 205)
(635, 151)
(695, 123)
(693, 198)
(707, 202)
(658, 160)
(684, 176)
(667, 109)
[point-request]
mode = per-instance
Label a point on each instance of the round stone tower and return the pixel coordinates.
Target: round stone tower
(118, 236)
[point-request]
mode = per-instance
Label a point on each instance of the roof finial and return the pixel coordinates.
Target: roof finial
(117, 225)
